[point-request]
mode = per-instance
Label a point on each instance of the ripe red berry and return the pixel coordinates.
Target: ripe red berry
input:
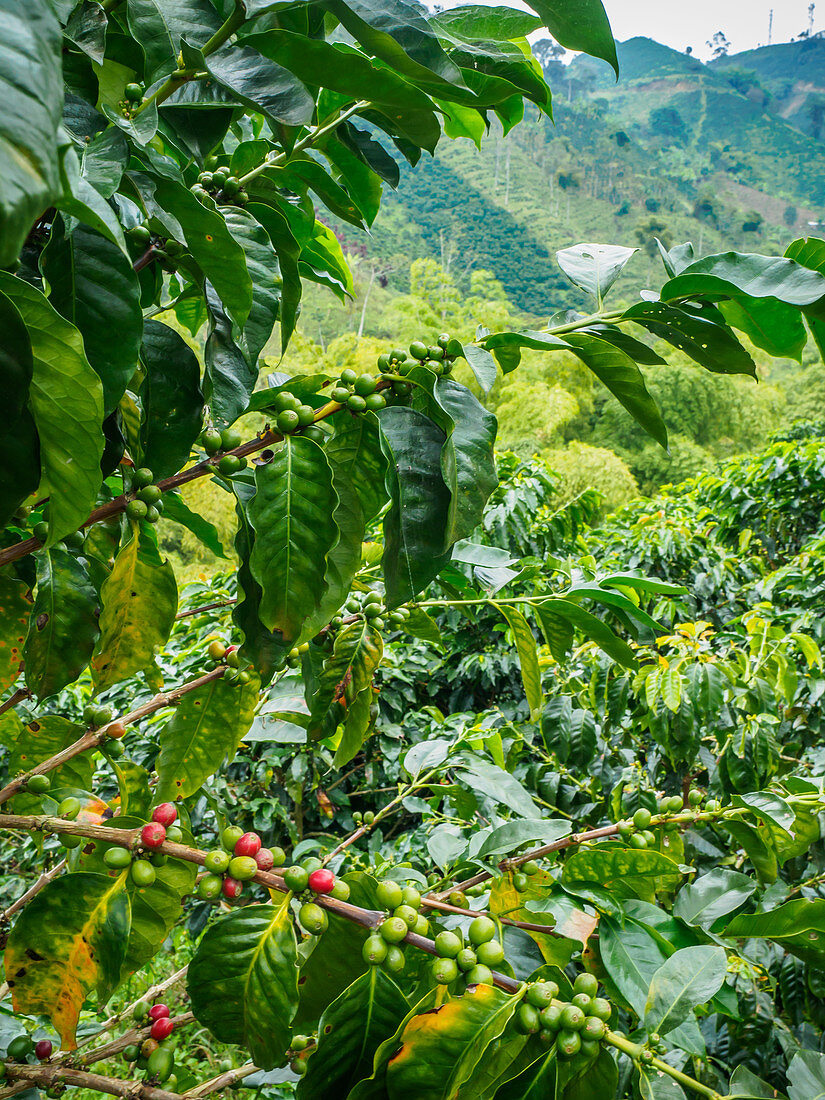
(116, 730)
(232, 888)
(43, 1049)
(265, 859)
(152, 835)
(247, 845)
(165, 814)
(158, 1012)
(162, 1028)
(321, 881)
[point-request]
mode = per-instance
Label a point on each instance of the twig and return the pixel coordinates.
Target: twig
(92, 738)
(17, 697)
(148, 995)
(44, 880)
(222, 1081)
(48, 1073)
(206, 607)
(525, 926)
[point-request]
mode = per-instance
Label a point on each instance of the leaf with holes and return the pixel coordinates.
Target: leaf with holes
(203, 734)
(243, 980)
(69, 941)
(63, 627)
(140, 599)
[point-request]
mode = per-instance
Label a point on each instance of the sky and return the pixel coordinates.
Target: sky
(678, 23)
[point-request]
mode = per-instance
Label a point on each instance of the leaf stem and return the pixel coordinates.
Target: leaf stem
(635, 1051)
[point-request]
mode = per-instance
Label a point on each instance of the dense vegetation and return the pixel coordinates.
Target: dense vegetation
(447, 785)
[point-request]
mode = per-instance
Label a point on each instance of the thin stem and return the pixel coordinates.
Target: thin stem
(304, 143)
(264, 439)
(23, 1077)
(222, 1081)
(206, 607)
(635, 1051)
(92, 738)
(44, 880)
(17, 697)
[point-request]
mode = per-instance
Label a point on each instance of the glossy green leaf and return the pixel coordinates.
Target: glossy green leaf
(482, 364)
(80, 199)
(346, 70)
(262, 85)
(40, 739)
(527, 655)
(19, 444)
(415, 525)
(625, 872)
(211, 244)
(243, 980)
(733, 274)
(477, 22)
(67, 403)
(598, 631)
(806, 1076)
(15, 609)
(349, 1033)
(203, 734)
(355, 448)
(63, 626)
(744, 1084)
(709, 343)
(87, 29)
(68, 941)
(631, 956)
(263, 268)
(229, 378)
(772, 325)
(798, 926)
(31, 90)
(346, 673)
(140, 599)
(655, 1085)
(594, 268)
(93, 285)
(440, 1049)
(292, 514)
(171, 399)
(467, 461)
(397, 32)
(582, 27)
(104, 160)
(159, 25)
(713, 896)
(176, 510)
(688, 978)
(280, 233)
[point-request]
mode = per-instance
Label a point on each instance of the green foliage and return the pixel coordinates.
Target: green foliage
(427, 675)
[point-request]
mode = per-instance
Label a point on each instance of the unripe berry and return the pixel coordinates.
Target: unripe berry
(374, 950)
(586, 983)
(116, 730)
(230, 837)
(340, 890)
(389, 894)
(481, 930)
(393, 930)
(243, 868)
(447, 944)
(217, 861)
(395, 960)
(527, 1019)
(444, 971)
(165, 814)
(209, 887)
(466, 958)
(479, 975)
(490, 953)
(152, 835)
(321, 881)
(313, 918)
(216, 650)
(38, 784)
(642, 818)
(247, 845)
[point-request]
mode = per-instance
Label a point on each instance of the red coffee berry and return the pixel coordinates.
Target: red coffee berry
(43, 1049)
(265, 859)
(158, 1012)
(152, 835)
(162, 1028)
(231, 888)
(321, 881)
(247, 845)
(165, 814)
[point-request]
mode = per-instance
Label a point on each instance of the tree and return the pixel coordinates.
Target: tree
(718, 45)
(178, 195)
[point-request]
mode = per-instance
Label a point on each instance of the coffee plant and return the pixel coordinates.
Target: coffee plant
(166, 169)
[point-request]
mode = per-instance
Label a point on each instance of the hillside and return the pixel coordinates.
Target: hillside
(674, 149)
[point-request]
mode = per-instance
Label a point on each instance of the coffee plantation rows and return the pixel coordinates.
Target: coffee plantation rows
(440, 793)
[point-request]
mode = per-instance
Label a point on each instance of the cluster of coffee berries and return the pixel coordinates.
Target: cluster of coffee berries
(228, 655)
(358, 392)
(434, 356)
(292, 415)
(401, 905)
(224, 188)
(40, 527)
(23, 1047)
(155, 1055)
(132, 98)
(575, 1026)
(145, 857)
(474, 959)
(293, 658)
(363, 819)
(371, 606)
(298, 1053)
(309, 880)
(146, 501)
(239, 858)
(636, 831)
(216, 442)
